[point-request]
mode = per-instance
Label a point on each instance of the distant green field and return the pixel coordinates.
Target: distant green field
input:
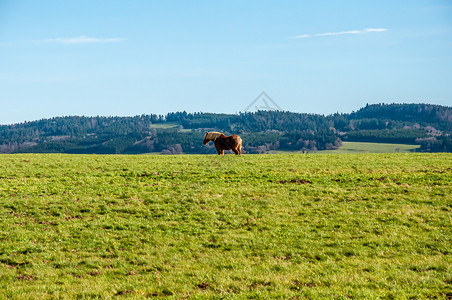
(166, 125)
(285, 226)
(169, 125)
(358, 147)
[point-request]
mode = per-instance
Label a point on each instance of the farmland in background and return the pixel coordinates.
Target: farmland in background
(360, 147)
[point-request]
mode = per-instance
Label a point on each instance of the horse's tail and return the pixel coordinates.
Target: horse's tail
(239, 146)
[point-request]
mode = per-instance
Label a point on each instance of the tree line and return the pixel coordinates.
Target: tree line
(262, 131)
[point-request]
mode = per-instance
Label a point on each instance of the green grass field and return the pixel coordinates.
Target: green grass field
(358, 147)
(287, 226)
(167, 125)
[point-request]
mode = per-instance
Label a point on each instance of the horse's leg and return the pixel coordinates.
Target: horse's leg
(239, 148)
(235, 151)
(219, 150)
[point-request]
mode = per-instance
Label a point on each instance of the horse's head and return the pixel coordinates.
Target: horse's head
(206, 139)
(211, 136)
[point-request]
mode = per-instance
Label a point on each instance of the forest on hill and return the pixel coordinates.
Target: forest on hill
(429, 126)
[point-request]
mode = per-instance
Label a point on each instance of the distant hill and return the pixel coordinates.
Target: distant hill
(429, 126)
(421, 113)
(425, 124)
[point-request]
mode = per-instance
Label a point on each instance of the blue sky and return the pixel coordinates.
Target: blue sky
(126, 58)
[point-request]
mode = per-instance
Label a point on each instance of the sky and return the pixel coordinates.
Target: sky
(126, 58)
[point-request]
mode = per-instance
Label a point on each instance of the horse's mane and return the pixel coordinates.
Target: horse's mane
(213, 135)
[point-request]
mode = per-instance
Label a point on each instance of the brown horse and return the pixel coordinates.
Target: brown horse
(222, 142)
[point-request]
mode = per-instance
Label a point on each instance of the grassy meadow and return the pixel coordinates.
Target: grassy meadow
(287, 226)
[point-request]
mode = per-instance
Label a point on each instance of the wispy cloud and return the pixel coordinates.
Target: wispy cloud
(301, 36)
(362, 31)
(82, 40)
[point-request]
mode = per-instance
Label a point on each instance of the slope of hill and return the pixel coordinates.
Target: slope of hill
(427, 125)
